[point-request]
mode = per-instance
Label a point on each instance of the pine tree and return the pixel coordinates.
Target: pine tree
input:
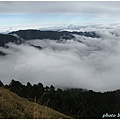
(1, 84)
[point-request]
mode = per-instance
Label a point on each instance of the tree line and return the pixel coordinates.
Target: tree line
(77, 103)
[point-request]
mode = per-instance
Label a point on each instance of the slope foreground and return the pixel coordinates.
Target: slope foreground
(13, 106)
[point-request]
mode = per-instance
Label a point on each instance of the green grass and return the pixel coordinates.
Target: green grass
(14, 107)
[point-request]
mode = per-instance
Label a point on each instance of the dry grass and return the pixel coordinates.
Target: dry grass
(13, 106)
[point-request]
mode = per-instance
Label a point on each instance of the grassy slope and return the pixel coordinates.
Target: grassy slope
(13, 106)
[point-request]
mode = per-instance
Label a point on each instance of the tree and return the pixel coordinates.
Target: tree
(52, 88)
(46, 88)
(40, 87)
(17, 87)
(1, 84)
(29, 85)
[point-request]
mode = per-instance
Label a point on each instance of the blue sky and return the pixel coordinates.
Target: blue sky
(24, 15)
(22, 21)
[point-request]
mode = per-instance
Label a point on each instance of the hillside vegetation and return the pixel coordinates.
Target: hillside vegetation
(13, 106)
(77, 103)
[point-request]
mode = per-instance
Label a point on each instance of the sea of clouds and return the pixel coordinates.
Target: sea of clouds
(83, 62)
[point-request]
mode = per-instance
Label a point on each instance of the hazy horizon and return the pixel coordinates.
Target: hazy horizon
(15, 15)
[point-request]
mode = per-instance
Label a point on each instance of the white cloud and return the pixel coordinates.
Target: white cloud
(100, 8)
(92, 63)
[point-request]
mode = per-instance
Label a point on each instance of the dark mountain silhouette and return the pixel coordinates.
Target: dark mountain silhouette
(37, 34)
(21, 36)
(24, 35)
(55, 35)
(6, 38)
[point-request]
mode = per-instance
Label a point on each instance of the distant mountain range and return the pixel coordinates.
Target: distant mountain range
(6, 38)
(21, 36)
(54, 35)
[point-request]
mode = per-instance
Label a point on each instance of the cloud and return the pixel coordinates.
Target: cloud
(85, 27)
(82, 7)
(23, 14)
(92, 63)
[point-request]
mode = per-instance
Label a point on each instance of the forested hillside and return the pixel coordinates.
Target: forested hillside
(14, 107)
(77, 103)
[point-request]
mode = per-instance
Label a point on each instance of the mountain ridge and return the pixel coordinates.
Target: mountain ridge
(21, 36)
(55, 35)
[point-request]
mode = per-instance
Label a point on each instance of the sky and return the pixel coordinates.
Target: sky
(37, 14)
(90, 64)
